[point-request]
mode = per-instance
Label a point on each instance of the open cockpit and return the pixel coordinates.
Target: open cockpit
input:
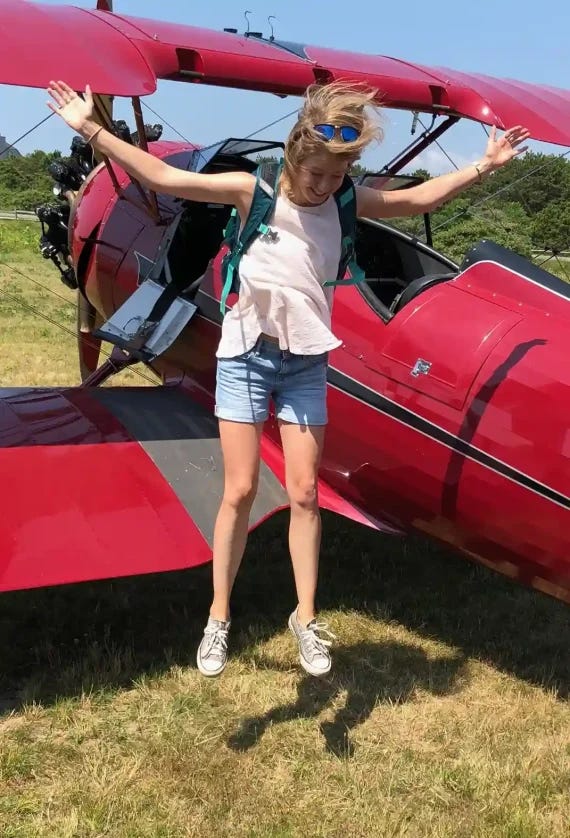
(397, 265)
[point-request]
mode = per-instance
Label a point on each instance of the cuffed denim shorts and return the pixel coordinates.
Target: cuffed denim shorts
(297, 385)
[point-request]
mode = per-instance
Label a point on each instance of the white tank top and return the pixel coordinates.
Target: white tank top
(281, 289)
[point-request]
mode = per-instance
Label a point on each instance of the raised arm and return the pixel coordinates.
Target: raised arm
(374, 203)
(226, 188)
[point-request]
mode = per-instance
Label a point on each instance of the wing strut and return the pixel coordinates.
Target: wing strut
(144, 145)
(103, 115)
(429, 136)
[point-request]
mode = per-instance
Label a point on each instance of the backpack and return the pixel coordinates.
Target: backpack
(257, 224)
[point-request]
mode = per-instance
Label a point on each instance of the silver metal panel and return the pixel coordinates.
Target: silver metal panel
(182, 439)
(130, 328)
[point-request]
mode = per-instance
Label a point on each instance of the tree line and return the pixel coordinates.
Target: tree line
(25, 182)
(524, 206)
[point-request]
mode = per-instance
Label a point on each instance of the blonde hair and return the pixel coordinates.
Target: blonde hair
(336, 103)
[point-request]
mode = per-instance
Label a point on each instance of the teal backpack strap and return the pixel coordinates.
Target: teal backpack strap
(345, 198)
(231, 238)
(256, 224)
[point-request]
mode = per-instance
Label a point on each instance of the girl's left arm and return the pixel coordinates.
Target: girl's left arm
(374, 203)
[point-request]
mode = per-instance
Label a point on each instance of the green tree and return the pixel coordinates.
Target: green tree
(422, 173)
(551, 227)
(504, 226)
(356, 170)
(24, 181)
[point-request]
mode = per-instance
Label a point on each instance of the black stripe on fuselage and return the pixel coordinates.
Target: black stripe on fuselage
(353, 388)
(350, 387)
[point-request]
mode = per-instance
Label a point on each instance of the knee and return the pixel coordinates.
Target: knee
(240, 495)
(303, 494)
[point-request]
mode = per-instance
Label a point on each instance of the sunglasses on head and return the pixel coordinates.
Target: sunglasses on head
(347, 133)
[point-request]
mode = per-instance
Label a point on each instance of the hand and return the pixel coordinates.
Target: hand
(502, 150)
(77, 112)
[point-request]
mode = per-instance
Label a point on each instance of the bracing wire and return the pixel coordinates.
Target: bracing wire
(19, 140)
(249, 136)
(500, 191)
(555, 255)
(49, 290)
(472, 206)
(49, 319)
(36, 282)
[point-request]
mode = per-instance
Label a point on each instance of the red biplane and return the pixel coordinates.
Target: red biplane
(449, 401)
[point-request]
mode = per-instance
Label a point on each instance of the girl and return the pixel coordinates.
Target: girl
(276, 339)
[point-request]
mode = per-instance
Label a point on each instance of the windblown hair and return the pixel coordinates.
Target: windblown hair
(337, 103)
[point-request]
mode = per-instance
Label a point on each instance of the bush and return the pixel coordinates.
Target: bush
(507, 226)
(18, 237)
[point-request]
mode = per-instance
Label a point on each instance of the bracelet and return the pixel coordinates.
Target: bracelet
(94, 134)
(478, 170)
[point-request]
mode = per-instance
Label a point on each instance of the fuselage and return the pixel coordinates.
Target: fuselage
(451, 418)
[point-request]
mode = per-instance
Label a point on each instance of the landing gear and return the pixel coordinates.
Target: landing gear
(88, 346)
(118, 361)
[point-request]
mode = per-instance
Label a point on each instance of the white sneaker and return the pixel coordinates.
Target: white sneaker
(213, 650)
(313, 648)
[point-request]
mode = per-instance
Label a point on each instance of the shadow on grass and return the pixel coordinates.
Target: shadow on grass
(64, 641)
(370, 674)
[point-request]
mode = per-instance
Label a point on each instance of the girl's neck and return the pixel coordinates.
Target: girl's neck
(287, 188)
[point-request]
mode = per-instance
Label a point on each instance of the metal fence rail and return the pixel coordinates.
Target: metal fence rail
(17, 215)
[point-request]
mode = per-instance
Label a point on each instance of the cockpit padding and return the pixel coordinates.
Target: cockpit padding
(490, 251)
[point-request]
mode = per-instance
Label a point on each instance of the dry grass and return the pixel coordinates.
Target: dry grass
(446, 713)
(38, 318)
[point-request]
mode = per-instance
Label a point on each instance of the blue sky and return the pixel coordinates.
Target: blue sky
(495, 38)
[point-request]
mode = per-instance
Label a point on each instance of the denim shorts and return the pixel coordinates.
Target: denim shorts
(297, 384)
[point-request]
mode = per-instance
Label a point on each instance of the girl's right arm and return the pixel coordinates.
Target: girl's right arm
(226, 188)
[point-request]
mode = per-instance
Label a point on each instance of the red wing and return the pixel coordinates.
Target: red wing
(544, 110)
(118, 481)
(40, 43)
(127, 55)
(100, 483)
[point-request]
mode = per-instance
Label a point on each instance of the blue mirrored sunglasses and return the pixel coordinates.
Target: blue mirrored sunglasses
(347, 133)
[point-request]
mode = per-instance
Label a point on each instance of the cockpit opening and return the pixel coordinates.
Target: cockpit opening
(394, 262)
(200, 229)
(397, 266)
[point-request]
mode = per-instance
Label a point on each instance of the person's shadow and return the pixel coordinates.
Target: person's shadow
(63, 642)
(370, 674)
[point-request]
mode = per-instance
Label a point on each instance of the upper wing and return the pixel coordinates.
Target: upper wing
(544, 110)
(40, 43)
(127, 55)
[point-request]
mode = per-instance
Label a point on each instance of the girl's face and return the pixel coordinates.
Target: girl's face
(317, 177)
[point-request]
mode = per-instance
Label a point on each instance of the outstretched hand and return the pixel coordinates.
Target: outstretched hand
(69, 106)
(502, 150)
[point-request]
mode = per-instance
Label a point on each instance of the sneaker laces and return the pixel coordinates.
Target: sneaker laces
(216, 641)
(315, 643)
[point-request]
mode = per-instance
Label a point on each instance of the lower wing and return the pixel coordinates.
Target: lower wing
(106, 482)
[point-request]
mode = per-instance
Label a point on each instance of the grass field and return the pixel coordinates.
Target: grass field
(446, 713)
(38, 317)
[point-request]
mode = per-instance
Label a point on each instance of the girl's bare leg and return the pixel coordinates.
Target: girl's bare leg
(240, 449)
(302, 448)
